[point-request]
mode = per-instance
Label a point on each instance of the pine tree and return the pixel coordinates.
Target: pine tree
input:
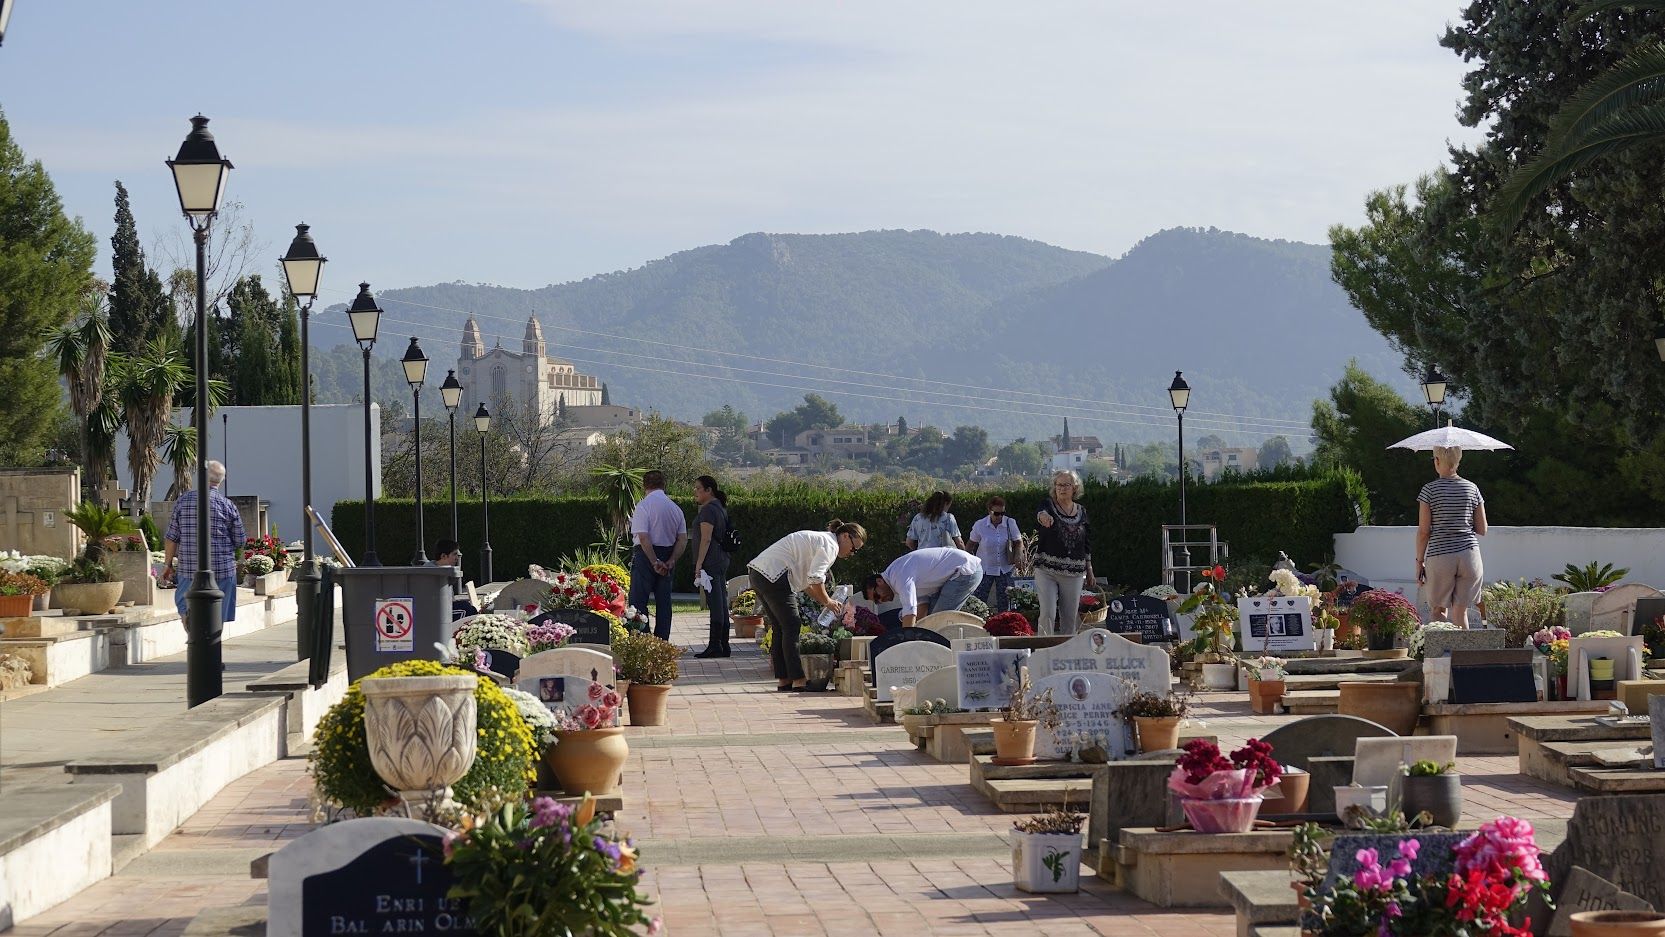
(256, 373)
(289, 389)
(605, 397)
(139, 305)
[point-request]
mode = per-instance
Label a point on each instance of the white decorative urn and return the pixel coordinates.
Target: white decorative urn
(421, 734)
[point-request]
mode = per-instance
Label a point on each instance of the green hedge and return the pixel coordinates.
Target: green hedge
(1295, 511)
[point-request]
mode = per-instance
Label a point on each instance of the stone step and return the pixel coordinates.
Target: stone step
(984, 768)
(980, 741)
(1036, 796)
(54, 841)
(1312, 702)
(1618, 780)
(38, 626)
(59, 659)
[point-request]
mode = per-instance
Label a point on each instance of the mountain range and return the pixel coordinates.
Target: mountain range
(1003, 332)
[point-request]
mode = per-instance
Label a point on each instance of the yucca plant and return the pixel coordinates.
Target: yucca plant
(80, 349)
(179, 448)
(1591, 576)
(99, 523)
(147, 384)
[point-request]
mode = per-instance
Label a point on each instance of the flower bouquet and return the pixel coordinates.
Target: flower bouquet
(481, 637)
(1384, 617)
(1091, 609)
(549, 636)
(1221, 796)
(866, 624)
(1009, 625)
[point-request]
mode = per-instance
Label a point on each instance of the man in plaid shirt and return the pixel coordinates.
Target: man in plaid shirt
(225, 537)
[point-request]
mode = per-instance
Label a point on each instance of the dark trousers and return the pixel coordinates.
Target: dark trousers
(717, 598)
(644, 582)
(782, 615)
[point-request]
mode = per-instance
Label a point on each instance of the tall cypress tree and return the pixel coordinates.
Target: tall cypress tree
(139, 305)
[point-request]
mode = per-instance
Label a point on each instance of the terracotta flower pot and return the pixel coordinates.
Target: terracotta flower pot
(589, 760)
(421, 733)
(1157, 733)
(1394, 705)
(16, 606)
(1618, 924)
(89, 598)
(1264, 695)
(745, 626)
(1292, 789)
(1014, 742)
(647, 703)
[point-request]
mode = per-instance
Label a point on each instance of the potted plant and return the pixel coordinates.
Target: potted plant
(255, 566)
(1653, 638)
(1214, 620)
(1047, 859)
(590, 748)
(819, 651)
(1026, 602)
(1092, 608)
(1384, 617)
(1435, 788)
(88, 585)
(1287, 796)
(747, 614)
(1221, 796)
(17, 593)
(48, 569)
(492, 642)
(421, 764)
(1014, 731)
(978, 607)
(1309, 860)
(1325, 622)
(1009, 625)
(1617, 924)
(1552, 643)
(1267, 680)
(1156, 718)
(650, 664)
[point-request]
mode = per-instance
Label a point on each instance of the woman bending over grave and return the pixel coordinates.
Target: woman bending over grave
(1062, 563)
(1451, 521)
(798, 562)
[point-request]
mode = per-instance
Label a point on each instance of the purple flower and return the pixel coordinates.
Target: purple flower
(547, 811)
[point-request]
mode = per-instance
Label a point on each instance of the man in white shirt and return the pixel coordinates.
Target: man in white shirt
(935, 579)
(659, 534)
(991, 538)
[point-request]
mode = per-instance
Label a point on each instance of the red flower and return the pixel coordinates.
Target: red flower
(1008, 625)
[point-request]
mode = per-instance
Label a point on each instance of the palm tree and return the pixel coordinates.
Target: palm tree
(179, 448)
(101, 428)
(146, 385)
(81, 349)
(1618, 109)
(621, 486)
(98, 524)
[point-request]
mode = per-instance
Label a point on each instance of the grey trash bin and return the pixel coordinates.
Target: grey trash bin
(394, 613)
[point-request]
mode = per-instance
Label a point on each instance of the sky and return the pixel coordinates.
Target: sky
(528, 142)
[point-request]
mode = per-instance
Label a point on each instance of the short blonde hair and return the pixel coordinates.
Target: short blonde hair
(1069, 474)
(1448, 456)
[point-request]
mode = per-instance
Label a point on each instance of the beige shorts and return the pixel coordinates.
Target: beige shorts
(1454, 580)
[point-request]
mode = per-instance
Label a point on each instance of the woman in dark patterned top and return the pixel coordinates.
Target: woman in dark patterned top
(1452, 519)
(1061, 558)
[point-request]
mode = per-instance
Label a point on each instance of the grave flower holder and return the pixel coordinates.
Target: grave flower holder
(1014, 741)
(421, 734)
(1223, 815)
(1047, 863)
(1264, 695)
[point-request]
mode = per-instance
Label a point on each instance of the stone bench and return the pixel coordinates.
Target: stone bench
(944, 737)
(1618, 780)
(54, 841)
(169, 771)
(1261, 898)
(1483, 728)
(1182, 869)
(305, 704)
(57, 659)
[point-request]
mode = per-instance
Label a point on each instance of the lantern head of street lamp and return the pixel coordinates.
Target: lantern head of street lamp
(302, 265)
(5, 17)
(1659, 341)
(451, 391)
(416, 364)
(1179, 393)
(365, 315)
(199, 172)
(1433, 387)
(482, 420)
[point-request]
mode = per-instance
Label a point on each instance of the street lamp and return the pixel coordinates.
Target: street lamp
(302, 266)
(5, 17)
(450, 393)
(1179, 394)
(416, 371)
(199, 174)
(1433, 391)
(366, 316)
(482, 422)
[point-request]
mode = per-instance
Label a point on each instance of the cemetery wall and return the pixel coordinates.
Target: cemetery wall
(1383, 553)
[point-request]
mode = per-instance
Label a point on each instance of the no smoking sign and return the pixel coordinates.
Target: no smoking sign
(395, 620)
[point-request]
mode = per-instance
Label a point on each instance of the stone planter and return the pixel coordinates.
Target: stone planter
(647, 703)
(589, 760)
(1264, 695)
(1014, 741)
(1395, 705)
(1157, 733)
(88, 598)
(271, 582)
(1220, 676)
(132, 567)
(1046, 863)
(16, 606)
(1291, 797)
(745, 626)
(421, 734)
(1618, 924)
(818, 669)
(1441, 795)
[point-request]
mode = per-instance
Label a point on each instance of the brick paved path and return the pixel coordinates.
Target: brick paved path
(758, 813)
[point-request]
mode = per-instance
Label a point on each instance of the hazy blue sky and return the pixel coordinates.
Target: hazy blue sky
(525, 143)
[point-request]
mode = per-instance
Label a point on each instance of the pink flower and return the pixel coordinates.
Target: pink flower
(591, 717)
(597, 691)
(611, 699)
(1399, 868)
(1409, 848)
(1393, 909)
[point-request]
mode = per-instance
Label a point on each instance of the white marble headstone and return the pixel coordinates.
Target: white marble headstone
(1087, 703)
(987, 678)
(985, 643)
(1626, 653)
(1276, 623)
(1377, 762)
(1104, 652)
(954, 630)
(905, 663)
(936, 621)
(569, 662)
(331, 847)
(942, 683)
(561, 693)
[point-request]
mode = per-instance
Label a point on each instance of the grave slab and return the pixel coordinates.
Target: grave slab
(1534, 736)
(1483, 728)
(371, 875)
(1296, 743)
(1619, 838)
(1442, 643)
(1182, 869)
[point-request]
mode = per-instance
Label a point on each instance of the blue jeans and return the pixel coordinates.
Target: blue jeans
(998, 584)
(228, 605)
(644, 581)
(955, 591)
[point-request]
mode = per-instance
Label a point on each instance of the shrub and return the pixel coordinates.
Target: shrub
(1384, 615)
(745, 604)
(978, 607)
(1009, 625)
(644, 658)
(1522, 609)
(814, 642)
(340, 758)
(258, 564)
(1145, 703)
(492, 633)
(1591, 577)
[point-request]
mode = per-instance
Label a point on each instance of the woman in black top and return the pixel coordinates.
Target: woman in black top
(712, 524)
(1061, 559)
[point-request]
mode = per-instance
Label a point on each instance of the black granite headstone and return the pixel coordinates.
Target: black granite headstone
(890, 639)
(1139, 615)
(1492, 676)
(395, 887)
(502, 662)
(589, 627)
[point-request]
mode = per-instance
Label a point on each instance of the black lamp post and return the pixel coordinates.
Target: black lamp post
(5, 17)
(366, 316)
(482, 422)
(450, 393)
(302, 266)
(1179, 394)
(1433, 391)
(199, 174)
(416, 371)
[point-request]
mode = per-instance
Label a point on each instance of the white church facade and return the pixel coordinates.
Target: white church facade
(527, 377)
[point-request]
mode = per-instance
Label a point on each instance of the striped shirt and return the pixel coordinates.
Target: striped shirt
(1451, 506)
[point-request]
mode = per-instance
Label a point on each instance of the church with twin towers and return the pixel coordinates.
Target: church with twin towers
(529, 377)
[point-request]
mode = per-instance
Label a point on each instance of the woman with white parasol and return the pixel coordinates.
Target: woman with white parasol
(1451, 520)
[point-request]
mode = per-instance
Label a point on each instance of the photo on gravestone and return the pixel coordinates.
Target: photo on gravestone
(588, 627)
(1276, 623)
(1620, 837)
(987, 678)
(1502, 676)
(1142, 615)
(594, 666)
(377, 875)
(570, 694)
(890, 639)
(904, 664)
(1089, 715)
(1583, 890)
(1099, 650)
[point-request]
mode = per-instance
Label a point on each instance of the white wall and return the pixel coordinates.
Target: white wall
(261, 448)
(1387, 553)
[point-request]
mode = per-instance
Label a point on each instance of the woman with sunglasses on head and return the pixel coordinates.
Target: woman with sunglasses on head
(992, 539)
(798, 562)
(1061, 559)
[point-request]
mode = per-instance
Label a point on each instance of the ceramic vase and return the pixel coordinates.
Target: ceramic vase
(1440, 794)
(421, 734)
(745, 626)
(1618, 924)
(1014, 741)
(16, 606)
(1289, 795)
(589, 760)
(1264, 695)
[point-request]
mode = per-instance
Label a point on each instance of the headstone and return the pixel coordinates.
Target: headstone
(1577, 610)
(1087, 703)
(1615, 609)
(890, 639)
(937, 621)
(1620, 837)
(588, 627)
(1656, 718)
(985, 678)
(1647, 611)
(1441, 643)
(1376, 761)
(1100, 651)
(563, 693)
(1295, 743)
(942, 683)
(956, 630)
(569, 662)
(521, 593)
(1500, 676)
(1434, 858)
(1626, 654)
(1276, 623)
(1141, 615)
(985, 643)
(377, 875)
(1584, 890)
(905, 663)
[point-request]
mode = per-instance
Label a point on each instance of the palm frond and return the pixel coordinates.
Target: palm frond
(1619, 132)
(1635, 81)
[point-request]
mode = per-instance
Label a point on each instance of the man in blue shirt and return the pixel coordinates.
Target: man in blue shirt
(225, 538)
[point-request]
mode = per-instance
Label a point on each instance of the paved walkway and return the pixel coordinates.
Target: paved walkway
(758, 813)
